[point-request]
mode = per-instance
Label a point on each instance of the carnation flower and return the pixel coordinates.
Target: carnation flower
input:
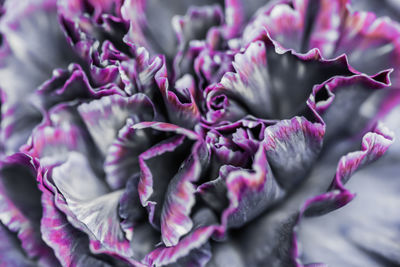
(197, 133)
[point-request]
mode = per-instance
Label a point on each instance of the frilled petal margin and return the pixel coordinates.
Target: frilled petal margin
(302, 25)
(191, 27)
(264, 76)
(348, 95)
(159, 167)
(20, 209)
(67, 85)
(11, 252)
(87, 204)
(374, 145)
(106, 116)
(184, 111)
(180, 196)
(280, 163)
(61, 131)
(69, 244)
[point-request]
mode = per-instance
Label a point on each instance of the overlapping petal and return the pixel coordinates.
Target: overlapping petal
(192, 133)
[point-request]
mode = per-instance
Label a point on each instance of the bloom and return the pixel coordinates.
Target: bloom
(133, 136)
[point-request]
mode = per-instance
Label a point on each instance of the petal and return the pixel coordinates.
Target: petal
(24, 26)
(20, 209)
(28, 29)
(292, 147)
(302, 25)
(147, 31)
(375, 38)
(210, 66)
(106, 116)
(69, 244)
(374, 144)
(138, 74)
(234, 18)
(182, 113)
(90, 206)
(365, 231)
(192, 250)
(11, 251)
(193, 26)
(263, 89)
(61, 132)
(250, 192)
(283, 23)
(67, 85)
(143, 237)
(348, 95)
(180, 197)
(272, 236)
(17, 122)
(158, 166)
(221, 107)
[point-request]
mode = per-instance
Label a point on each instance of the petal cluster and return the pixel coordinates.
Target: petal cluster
(187, 133)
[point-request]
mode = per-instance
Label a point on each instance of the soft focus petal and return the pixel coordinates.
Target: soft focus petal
(20, 209)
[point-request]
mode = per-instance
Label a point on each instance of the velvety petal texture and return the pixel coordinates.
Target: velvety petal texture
(199, 133)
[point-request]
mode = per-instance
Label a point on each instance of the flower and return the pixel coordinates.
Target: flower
(135, 134)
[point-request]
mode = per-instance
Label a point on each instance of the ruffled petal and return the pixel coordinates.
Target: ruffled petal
(20, 209)
(138, 74)
(292, 147)
(302, 25)
(70, 245)
(67, 85)
(106, 116)
(11, 251)
(191, 27)
(160, 163)
(374, 145)
(180, 197)
(264, 77)
(182, 111)
(192, 250)
(348, 95)
(375, 38)
(250, 192)
(89, 205)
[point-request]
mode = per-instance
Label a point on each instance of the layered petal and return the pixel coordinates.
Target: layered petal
(292, 148)
(374, 144)
(158, 165)
(20, 210)
(351, 95)
(262, 90)
(106, 116)
(70, 245)
(180, 197)
(89, 205)
(25, 52)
